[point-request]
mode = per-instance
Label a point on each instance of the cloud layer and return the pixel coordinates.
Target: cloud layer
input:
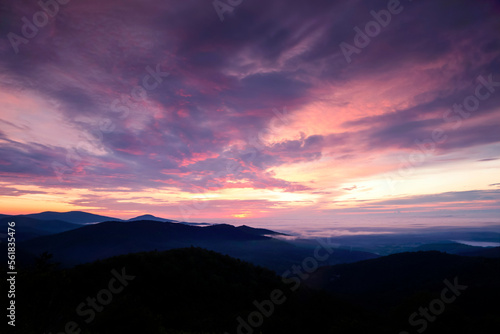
(159, 106)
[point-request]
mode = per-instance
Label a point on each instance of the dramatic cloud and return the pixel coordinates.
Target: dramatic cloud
(159, 106)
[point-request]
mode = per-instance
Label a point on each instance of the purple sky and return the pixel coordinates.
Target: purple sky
(280, 110)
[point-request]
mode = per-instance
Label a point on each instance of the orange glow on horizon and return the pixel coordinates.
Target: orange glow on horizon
(240, 215)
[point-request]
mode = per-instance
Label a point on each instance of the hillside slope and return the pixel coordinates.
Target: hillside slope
(107, 239)
(178, 291)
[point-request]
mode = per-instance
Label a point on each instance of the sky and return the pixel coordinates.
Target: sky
(239, 110)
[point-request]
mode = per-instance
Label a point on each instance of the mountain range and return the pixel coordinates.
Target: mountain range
(100, 241)
(190, 278)
(78, 237)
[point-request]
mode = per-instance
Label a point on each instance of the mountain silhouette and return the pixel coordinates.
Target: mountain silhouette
(490, 252)
(177, 291)
(193, 290)
(99, 241)
(150, 218)
(28, 228)
(258, 231)
(75, 217)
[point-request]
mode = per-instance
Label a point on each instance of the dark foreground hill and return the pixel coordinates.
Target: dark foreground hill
(178, 291)
(99, 241)
(396, 286)
(197, 291)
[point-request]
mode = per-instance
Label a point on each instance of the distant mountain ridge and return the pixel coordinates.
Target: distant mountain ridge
(28, 228)
(151, 218)
(99, 241)
(49, 222)
(258, 231)
(82, 217)
(74, 217)
(85, 240)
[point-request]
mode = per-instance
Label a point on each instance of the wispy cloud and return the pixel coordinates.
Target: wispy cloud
(209, 127)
